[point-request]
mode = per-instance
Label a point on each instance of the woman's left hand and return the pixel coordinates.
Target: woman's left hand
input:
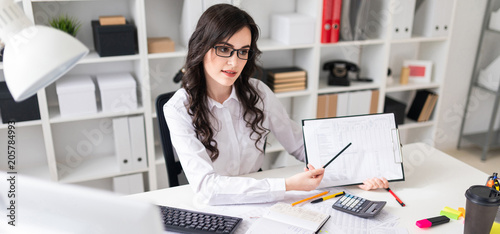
(374, 183)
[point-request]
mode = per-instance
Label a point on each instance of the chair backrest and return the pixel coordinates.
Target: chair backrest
(174, 168)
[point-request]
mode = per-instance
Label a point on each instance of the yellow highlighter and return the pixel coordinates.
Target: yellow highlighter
(328, 197)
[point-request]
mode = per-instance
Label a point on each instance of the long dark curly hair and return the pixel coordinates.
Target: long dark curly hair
(216, 24)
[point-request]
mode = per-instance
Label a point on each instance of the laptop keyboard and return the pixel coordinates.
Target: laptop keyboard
(189, 221)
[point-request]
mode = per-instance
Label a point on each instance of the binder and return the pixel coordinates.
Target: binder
(327, 21)
(343, 104)
(327, 106)
(422, 105)
(191, 12)
(138, 142)
(432, 18)
(122, 144)
(375, 149)
(402, 21)
(336, 11)
(345, 22)
(360, 102)
(128, 184)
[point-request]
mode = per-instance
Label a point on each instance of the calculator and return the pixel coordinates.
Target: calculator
(358, 206)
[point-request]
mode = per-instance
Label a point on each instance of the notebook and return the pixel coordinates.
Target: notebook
(284, 218)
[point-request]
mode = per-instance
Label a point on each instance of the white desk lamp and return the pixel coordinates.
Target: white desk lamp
(34, 56)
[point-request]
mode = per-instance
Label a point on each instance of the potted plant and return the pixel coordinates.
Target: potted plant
(66, 23)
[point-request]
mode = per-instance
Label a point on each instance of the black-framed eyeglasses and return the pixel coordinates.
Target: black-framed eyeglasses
(226, 52)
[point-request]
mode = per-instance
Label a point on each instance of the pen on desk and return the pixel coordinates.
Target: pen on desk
(309, 198)
(331, 160)
(397, 198)
(328, 197)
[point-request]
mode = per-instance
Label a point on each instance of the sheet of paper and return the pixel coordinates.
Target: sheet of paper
(373, 152)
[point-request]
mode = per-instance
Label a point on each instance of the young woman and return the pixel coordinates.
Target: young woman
(220, 118)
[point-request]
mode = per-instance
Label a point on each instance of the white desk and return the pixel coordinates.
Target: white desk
(433, 180)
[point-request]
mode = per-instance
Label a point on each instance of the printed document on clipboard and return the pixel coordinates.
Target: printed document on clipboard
(375, 150)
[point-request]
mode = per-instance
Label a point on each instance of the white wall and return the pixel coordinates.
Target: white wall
(464, 41)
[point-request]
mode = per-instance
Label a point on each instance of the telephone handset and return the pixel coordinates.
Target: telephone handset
(339, 72)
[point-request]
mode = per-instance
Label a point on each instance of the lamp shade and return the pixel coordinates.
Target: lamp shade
(40, 60)
(34, 56)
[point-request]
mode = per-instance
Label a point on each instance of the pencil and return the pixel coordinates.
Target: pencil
(309, 198)
(331, 160)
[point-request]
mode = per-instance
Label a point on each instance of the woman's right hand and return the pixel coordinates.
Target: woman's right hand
(305, 181)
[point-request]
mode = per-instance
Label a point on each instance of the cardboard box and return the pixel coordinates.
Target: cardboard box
(76, 95)
(112, 20)
(17, 111)
(160, 45)
(292, 28)
(118, 92)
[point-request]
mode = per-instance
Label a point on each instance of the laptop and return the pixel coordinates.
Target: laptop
(48, 207)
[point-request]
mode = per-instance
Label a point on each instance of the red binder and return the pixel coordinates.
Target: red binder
(336, 10)
(326, 30)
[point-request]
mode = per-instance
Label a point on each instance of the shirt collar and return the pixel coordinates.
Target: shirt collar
(212, 103)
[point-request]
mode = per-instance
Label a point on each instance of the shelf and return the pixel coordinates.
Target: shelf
(23, 124)
(480, 138)
(354, 43)
(179, 52)
(1, 65)
(484, 88)
(94, 169)
(411, 124)
(56, 116)
(397, 87)
(93, 57)
(419, 39)
(492, 31)
(266, 44)
(355, 86)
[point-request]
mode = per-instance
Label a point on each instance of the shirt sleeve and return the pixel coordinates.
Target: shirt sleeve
(287, 131)
(210, 187)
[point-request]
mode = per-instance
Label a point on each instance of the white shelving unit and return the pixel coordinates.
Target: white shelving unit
(57, 148)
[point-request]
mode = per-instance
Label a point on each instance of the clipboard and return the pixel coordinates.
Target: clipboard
(375, 150)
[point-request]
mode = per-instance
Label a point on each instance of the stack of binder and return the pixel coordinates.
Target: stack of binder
(422, 106)
(331, 21)
(347, 103)
(286, 79)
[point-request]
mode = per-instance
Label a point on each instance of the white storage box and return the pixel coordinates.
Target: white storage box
(76, 95)
(118, 92)
(292, 28)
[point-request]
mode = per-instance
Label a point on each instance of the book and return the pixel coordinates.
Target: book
(284, 218)
(285, 72)
(287, 80)
(288, 89)
(421, 104)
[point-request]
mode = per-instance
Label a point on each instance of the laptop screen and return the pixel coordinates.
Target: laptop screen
(48, 207)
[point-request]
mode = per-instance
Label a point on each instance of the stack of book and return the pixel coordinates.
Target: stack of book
(286, 79)
(422, 106)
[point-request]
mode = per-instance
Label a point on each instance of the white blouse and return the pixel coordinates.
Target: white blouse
(217, 182)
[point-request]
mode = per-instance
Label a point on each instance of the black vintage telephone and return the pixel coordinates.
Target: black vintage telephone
(339, 72)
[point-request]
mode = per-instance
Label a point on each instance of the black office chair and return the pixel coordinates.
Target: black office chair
(174, 168)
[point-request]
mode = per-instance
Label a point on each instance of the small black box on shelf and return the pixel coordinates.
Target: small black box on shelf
(17, 111)
(1, 54)
(396, 107)
(114, 40)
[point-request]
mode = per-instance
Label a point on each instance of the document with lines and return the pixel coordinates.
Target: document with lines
(375, 150)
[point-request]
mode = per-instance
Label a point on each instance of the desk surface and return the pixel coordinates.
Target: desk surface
(433, 180)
